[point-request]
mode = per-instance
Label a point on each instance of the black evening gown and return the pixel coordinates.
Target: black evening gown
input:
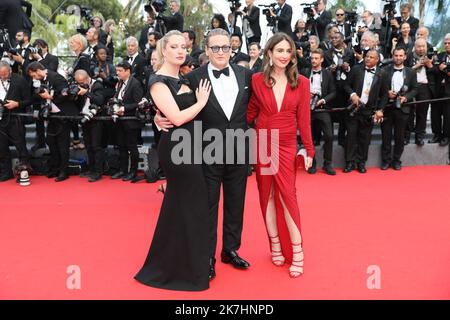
(178, 258)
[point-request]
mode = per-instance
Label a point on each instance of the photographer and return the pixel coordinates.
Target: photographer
(104, 72)
(136, 60)
(21, 55)
(342, 26)
(368, 42)
(323, 91)
(110, 28)
(250, 23)
(401, 84)
(304, 50)
(153, 38)
(50, 93)
(78, 44)
(174, 22)
(300, 33)
(97, 23)
(322, 19)
(48, 60)
(192, 49)
(405, 12)
(14, 96)
(326, 43)
(11, 14)
(149, 27)
(368, 94)
(403, 39)
(426, 90)
(236, 53)
(283, 17)
(92, 38)
(90, 100)
(129, 93)
(440, 113)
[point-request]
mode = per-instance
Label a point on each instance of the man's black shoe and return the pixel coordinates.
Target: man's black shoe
(233, 258)
(212, 268)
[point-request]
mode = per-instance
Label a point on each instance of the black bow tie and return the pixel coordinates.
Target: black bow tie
(398, 70)
(225, 71)
(370, 70)
(317, 72)
(130, 58)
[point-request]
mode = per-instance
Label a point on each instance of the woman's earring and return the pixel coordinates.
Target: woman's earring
(270, 62)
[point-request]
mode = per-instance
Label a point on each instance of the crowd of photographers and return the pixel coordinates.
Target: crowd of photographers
(364, 70)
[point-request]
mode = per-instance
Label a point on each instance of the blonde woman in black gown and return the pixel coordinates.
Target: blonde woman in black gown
(178, 258)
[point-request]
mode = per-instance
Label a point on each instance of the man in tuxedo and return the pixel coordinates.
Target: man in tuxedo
(283, 17)
(440, 114)
(136, 60)
(368, 94)
(236, 53)
(92, 37)
(401, 84)
(192, 49)
(129, 92)
(322, 18)
(149, 27)
(58, 130)
(426, 90)
(322, 87)
(22, 58)
(91, 95)
(343, 27)
(226, 109)
(174, 22)
(15, 95)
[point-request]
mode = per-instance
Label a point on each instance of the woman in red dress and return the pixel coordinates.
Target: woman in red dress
(280, 104)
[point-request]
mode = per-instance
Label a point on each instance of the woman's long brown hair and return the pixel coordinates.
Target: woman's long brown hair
(291, 68)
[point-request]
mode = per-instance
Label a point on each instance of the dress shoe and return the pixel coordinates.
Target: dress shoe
(420, 142)
(61, 177)
(52, 174)
(118, 175)
(233, 258)
(435, 139)
(86, 174)
(385, 166)
(397, 166)
(129, 176)
(444, 142)
(312, 170)
(329, 170)
(362, 168)
(212, 268)
(349, 167)
(95, 177)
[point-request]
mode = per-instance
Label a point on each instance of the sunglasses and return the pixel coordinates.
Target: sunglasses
(339, 14)
(216, 49)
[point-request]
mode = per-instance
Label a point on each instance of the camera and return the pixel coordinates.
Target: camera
(308, 8)
(271, 21)
(305, 46)
(352, 18)
(143, 112)
(314, 99)
(93, 111)
(39, 87)
(86, 14)
(234, 5)
(360, 50)
(44, 113)
(113, 107)
(389, 8)
(400, 94)
(2, 108)
(73, 89)
(5, 43)
(159, 5)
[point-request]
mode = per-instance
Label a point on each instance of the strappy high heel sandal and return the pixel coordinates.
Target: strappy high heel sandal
(296, 268)
(277, 255)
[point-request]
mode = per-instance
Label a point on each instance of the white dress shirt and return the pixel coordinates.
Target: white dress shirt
(130, 61)
(368, 80)
(316, 83)
(4, 87)
(225, 89)
(397, 81)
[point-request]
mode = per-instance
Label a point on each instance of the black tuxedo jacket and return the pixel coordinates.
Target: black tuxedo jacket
(64, 103)
(431, 73)
(138, 68)
(348, 57)
(328, 86)
(284, 20)
(19, 90)
(131, 98)
(321, 24)
(83, 62)
(95, 94)
(442, 76)
(213, 116)
(378, 94)
(253, 19)
(50, 62)
(410, 80)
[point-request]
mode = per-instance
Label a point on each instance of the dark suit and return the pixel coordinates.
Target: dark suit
(253, 19)
(322, 120)
(413, 23)
(319, 28)
(82, 62)
(396, 119)
(359, 126)
(138, 68)
(239, 56)
(129, 131)
(58, 131)
(12, 129)
(440, 113)
(284, 20)
(258, 66)
(50, 62)
(172, 22)
(233, 177)
(11, 15)
(424, 92)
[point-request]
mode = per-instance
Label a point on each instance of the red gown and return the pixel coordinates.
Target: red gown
(294, 113)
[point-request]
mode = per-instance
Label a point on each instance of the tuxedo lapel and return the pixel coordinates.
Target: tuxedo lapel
(212, 97)
(240, 76)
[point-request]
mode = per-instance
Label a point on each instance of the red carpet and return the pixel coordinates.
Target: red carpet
(398, 221)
